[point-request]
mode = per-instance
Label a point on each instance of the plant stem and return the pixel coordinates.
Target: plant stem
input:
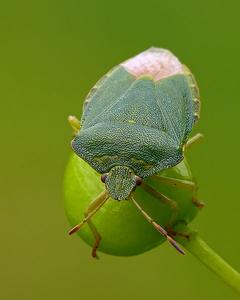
(198, 248)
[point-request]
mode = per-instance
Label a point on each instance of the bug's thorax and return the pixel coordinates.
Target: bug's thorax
(120, 182)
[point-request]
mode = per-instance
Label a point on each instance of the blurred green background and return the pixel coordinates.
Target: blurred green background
(51, 54)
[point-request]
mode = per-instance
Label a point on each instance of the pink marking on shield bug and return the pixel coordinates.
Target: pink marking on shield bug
(156, 62)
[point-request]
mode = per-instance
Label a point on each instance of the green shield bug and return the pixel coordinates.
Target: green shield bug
(135, 125)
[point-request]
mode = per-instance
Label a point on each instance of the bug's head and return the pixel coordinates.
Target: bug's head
(120, 182)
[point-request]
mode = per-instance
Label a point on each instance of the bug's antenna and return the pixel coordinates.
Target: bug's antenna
(158, 227)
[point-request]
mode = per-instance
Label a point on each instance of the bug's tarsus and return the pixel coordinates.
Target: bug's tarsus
(175, 244)
(197, 203)
(158, 227)
(74, 229)
(94, 250)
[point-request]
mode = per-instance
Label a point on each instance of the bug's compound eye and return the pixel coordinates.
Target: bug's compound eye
(138, 180)
(104, 177)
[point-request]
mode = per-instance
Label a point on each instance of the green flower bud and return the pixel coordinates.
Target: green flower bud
(123, 228)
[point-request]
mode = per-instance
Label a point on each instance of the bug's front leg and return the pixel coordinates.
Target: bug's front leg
(75, 124)
(194, 140)
(93, 207)
(157, 226)
(96, 235)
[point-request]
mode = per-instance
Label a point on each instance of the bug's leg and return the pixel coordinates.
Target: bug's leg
(164, 199)
(197, 203)
(96, 235)
(178, 183)
(158, 227)
(195, 139)
(182, 230)
(75, 124)
(93, 207)
(181, 184)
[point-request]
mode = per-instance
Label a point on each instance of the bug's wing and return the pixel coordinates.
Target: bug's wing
(176, 94)
(177, 106)
(105, 93)
(136, 106)
(152, 89)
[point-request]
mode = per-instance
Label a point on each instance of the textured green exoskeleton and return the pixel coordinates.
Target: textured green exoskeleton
(136, 122)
